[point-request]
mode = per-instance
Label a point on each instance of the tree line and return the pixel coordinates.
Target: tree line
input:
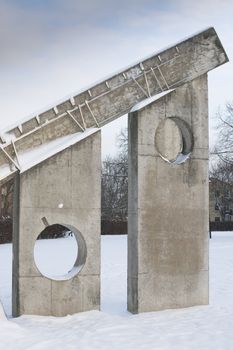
(221, 155)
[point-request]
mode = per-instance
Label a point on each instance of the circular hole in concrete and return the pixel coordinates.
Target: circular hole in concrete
(60, 252)
(174, 140)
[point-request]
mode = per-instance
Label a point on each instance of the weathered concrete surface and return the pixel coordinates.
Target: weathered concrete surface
(116, 95)
(168, 205)
(71, 177)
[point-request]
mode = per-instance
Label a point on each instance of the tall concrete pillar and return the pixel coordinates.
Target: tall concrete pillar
(64, 189)
(168, 201)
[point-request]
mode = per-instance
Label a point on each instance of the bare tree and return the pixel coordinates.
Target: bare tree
(114, 195)
(122, 141)
(6, 199)
(223, 171)
(222, 153)
(224, 145)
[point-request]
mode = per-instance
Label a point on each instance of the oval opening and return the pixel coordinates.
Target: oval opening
(174, 140)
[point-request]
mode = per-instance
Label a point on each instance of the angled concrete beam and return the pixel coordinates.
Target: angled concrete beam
(115, 96)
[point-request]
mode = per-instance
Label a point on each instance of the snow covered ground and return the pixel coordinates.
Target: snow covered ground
(203, 327)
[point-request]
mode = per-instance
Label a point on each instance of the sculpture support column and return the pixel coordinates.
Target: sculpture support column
(73, 177)
(168, 201)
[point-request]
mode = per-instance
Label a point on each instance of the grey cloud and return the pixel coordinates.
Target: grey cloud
(28, 31)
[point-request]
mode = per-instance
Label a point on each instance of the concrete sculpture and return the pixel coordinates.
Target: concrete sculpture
(58, 150)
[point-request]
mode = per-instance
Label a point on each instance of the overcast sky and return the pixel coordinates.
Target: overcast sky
(52, 48)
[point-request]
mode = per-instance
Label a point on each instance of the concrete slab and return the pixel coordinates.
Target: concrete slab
(168, 204)
(71, 177)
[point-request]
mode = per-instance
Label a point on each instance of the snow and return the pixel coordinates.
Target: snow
(5, 170)
(8, 137)
(57, 267)
(2, 313)
(36, 155)
(149, 100)
(201, 327)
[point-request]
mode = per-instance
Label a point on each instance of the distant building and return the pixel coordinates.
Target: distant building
(221, 201)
